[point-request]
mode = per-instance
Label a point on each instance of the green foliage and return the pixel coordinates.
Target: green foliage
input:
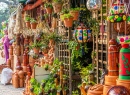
(75, 92)
(55, 37)
(46, 5)
(46, 66)
(68, 15)
(34, 56)
(65, 76)
(27, 18)
(64, 11)
(58, 88)
(32, 20)
(74, 9)
(36, 44)
(57, 1)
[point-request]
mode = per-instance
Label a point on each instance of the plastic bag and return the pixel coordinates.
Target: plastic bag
(6, 76)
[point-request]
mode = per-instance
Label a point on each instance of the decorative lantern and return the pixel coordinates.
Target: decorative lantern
(117, 11)
(81, 34)
(94, 4)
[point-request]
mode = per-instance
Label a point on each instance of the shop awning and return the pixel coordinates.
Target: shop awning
(32, 6)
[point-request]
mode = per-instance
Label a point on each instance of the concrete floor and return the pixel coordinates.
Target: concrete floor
(10, 90)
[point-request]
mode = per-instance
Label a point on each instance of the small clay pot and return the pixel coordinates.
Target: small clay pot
(28, 25)
(33, 25)
(75, 14)
(68, 22)
(16, 80)
(49, 10)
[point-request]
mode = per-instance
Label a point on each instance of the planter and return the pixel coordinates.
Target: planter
(83, 91)
(110, 80)
(125, 83)
(10, 50)
(54, 23)
(106, 88)
(75, 14)
(33, 25)
(15, 80)
(68, 22)
(36, 50)
(57, 7)
(49, 10)
(18, 50)
(28, 25)
(58, 93)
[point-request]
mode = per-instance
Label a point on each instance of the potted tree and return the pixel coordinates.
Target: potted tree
(48, 7)
(68, 20)
(36, 46)
(57, 5)
(75, 13)
(33, 23)
(27, 20)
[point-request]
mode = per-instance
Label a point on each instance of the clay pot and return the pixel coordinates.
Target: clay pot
(54, 23)
(18, 39)
(83, 91)
(75, 14)
(61, 74)
(36, 50)
(125, 83)
(68, 22)
(58, 93)
(106, 88)
(16, 80)
(18, 50)
(26, 41)
(49, 10)
(33, 25)
(24, 69)
(61, 67)
(64, 92)
(28, 25)
(57, 7)
(21, 74)
(21, 83)
(9, 63)
(10, 50)
(110, 80)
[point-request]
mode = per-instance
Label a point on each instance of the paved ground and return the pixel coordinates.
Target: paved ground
(10, 90)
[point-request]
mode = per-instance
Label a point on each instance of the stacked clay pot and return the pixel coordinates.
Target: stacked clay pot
(124, 69)
(11, 57)
(113, 53)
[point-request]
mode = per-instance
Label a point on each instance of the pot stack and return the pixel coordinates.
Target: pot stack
(113, 70)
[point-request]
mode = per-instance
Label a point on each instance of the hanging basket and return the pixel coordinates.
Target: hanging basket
(57, 7)
(75, 14)
(33, 25)
(68, 22)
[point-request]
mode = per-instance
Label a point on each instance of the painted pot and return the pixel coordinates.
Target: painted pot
(124, 62)
(113, 57)
(81, 34)
(110, 80)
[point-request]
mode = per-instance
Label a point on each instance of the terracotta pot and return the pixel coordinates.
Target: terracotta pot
(9, 63)
(83, 91)
(106, 88)
(61, 67)
(56, 81)
(21, 83)
(75, 14)
(21, 74)
(36, 50)
(110, 80)
(28, 25)
(16, 80)
(18, 50)
(83, 85)
(25, 69)
(125, 83)
(33, 25)
(18, 39)
(61, 74)
(49, 10)
(54, 23)
(58, 93)
(57, 7)
(68, 22)
(26, 41)
(11, 50)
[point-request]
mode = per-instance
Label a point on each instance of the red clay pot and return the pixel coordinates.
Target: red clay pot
(49, 10)
(33, 25)
(68, 22)
(75, 14)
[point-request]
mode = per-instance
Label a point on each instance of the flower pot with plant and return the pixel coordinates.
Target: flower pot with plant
(68, 20)
(64, 11)
(75, 13)
(27, 20)
(36, 46)
(48, 7)
(33, 23)
(57, 4)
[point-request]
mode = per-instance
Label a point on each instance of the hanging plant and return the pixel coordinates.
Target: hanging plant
(48, 7)
(64, 11)
(57, 5)
(75, 13)
(27, 20)
(33, 23)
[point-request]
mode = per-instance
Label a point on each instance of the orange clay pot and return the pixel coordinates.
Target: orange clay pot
(75, 14)
(68, 22)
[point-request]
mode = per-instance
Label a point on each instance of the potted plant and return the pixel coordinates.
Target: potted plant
(68, 20)
(75, 13)
(27, 20)
(44, 48)
(48, 7)
(46, 67)
(33, 23)
(36, 46)
(65, 77)
(76, 92)
(57, 5)
(64, 11)
(33, 57)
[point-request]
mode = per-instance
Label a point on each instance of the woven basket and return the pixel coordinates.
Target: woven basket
(122, 27)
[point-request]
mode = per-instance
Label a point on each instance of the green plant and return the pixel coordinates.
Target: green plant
(65, 88)
(65, 76)
(34, 56)
(33, 81)
(46, 67)
(36, 44)
(57, 1)
(55, 37)
(58, 88)
(32, 20)
(76, 92)
(64, 11)
(27, 18)
(74, 9)
(46, 5)
(68, 15)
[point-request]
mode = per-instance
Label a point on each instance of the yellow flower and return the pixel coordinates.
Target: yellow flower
(124, 17)
(112, 20)
(116, 16)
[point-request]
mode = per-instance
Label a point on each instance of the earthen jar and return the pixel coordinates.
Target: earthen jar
(16, 80)
(110, 80)
(125, 83)
(21, 83)
(106, 88)
(21, 74)
(10, 50)
(9, 63)
(18, 65)
(18, 39)
(25, 59)
(18, 50)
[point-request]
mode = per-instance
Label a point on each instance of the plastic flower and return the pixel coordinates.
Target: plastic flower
(116, 16)
(124, 17)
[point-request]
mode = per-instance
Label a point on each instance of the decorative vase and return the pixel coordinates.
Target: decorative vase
(26, 41)
(49, 10)
(25, 59)
(80, 34)
(113, 57)
(75, 14)
(124, 62)
(68, 22)
(57, 7)
(33, 25)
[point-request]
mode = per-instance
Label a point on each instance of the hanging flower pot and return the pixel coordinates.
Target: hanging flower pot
(27, 20)
(49, 8)
(68, 20)
(75, 13)
(33, 23)
(117, 12)
(80, 34)
(57, 6)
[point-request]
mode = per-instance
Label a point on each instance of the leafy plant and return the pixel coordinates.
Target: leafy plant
(55, 37)
(68, 15)
(58, 88)
(33, 81)
(57, 1)
(36, 44)
(74, 9)
(64, 11)
(46, 67)
(32, 20)
(65, 76)
(46, 5)
(27, 18)
(76, 92)
(34, 56)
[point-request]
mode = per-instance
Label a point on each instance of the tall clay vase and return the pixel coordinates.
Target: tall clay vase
(49, 10)
(36, 50)
(16, 80)
(18, 50)
(10, 50)
(75, 14)
(57, 7)
(68, 22)
(124, 61)
(33, 25)
(113, 57)
(28, 25)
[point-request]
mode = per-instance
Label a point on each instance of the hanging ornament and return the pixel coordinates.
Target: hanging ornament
(94, 5)
(117, 11)
(81, 34)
